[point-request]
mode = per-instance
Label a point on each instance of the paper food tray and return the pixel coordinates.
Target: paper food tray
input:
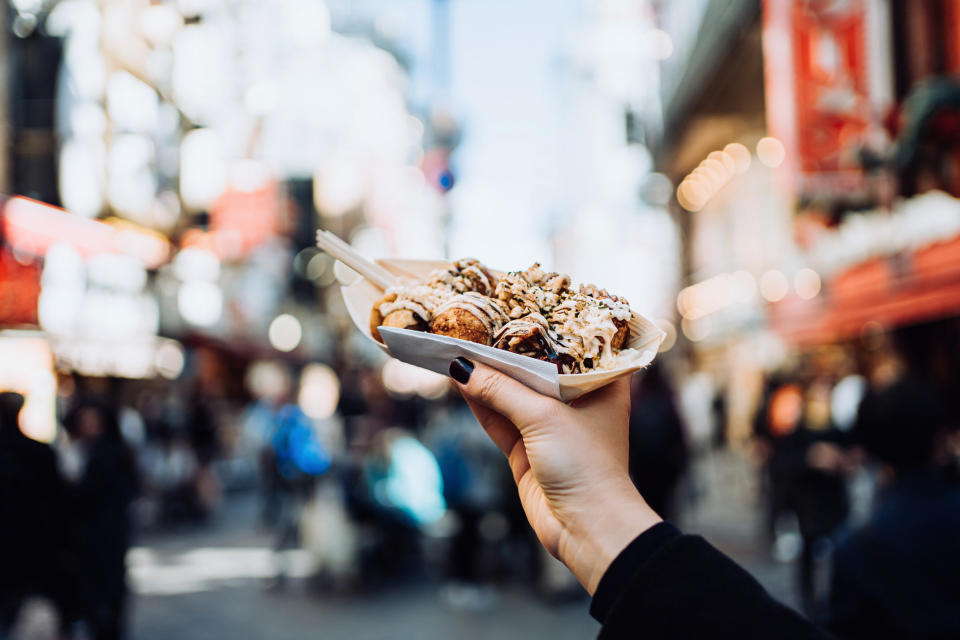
(435, 352)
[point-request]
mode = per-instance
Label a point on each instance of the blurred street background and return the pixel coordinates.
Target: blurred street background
(208, 448)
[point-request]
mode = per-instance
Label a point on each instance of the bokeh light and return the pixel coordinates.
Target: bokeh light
(724, 158)
(705, 297)
(196, 264)
(344, 274)
(169, 360)
(285, 332)
(740, 154)
(320, 269)
(710, 176)
(770, 152)
(659, 44)
(774, 285)
(696, 330)
(807, 283)
(200, 303)
(203, 173)
(267, 379)
(671, 338)
(319, 391)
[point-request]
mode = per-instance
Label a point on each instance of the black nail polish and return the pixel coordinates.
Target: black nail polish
(460, 370)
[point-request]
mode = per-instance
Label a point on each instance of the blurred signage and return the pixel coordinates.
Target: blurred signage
(19, 291)
(32, 227)
(822, 89)
(241, 219)
(138, 359)
(33, 378)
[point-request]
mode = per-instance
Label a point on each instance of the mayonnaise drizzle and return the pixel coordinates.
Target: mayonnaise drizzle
(578, 323)
(483, 307)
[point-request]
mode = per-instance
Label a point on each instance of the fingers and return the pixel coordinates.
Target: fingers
(513, 400)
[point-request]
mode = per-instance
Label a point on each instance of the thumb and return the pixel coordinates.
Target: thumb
(517, 402)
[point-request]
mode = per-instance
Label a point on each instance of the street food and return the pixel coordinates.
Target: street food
(469, 316)
(531, 312)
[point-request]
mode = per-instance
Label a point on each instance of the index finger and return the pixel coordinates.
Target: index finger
(515, 401)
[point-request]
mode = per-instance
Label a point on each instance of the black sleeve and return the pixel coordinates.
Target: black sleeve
(853, 613)
(669, 585)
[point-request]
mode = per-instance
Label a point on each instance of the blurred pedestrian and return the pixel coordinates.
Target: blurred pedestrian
(169, 469)
(98, 502)
(259, 421)
(777, 420)
(819, 493)
(658, 443)
(30, 505)
(298, 459)
(204, 439)
(897, 576)
(804, 477)
(470, 469)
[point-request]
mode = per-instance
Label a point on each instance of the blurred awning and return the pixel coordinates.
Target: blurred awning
(32, 227)
(909, 288)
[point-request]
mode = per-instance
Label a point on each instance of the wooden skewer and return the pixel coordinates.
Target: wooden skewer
(348, 255)
(380, 273)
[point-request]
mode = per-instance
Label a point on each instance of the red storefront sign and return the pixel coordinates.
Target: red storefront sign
(32, 227)
(821, 98)
(19, 291)
(240, 220)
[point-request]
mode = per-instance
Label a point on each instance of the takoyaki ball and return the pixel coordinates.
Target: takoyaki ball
(376, 318)
(529, 339)
(460, 323)
(621, 336)
(523, 337)
(478, 277)
(399, 318)
(405, 319)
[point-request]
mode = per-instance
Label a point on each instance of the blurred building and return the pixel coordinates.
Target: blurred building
(171, 163)
(814, 160)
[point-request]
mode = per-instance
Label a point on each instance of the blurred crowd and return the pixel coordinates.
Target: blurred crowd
(774, 184)
(388, 489)
(854, 459)
(66, 522)
(392, 488)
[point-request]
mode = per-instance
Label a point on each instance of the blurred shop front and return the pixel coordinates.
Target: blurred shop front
(161, 253)
(77, 301)
(815, 158)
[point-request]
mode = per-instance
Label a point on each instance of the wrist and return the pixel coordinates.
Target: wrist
(597, 536)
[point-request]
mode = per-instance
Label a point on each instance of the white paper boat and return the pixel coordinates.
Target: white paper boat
(435, 352)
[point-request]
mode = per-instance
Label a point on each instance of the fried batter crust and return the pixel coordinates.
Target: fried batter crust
(621, 336)
(376, 318)
(460, 323)
(404, 319)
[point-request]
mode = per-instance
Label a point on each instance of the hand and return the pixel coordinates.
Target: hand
(569, 463)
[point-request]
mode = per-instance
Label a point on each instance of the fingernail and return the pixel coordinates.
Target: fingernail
(460, 370)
